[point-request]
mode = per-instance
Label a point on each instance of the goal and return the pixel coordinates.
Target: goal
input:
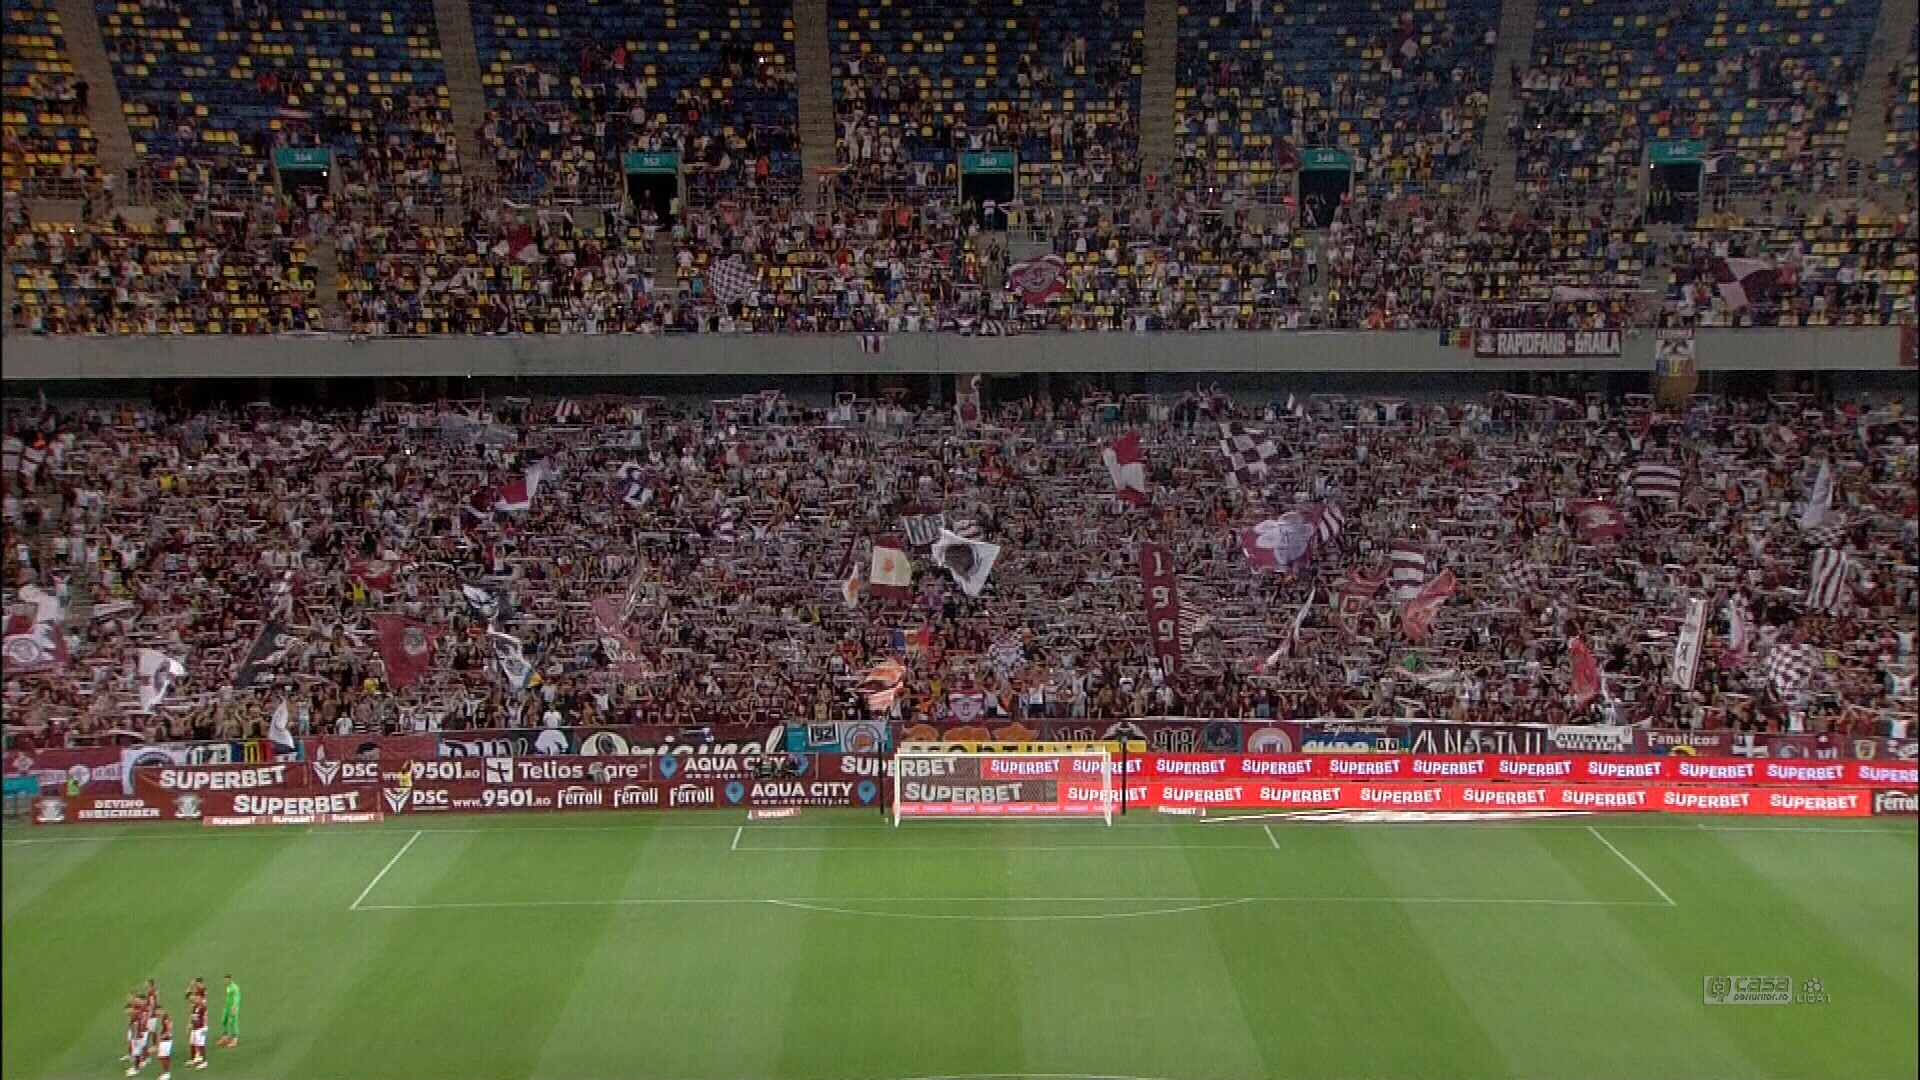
(932, 780)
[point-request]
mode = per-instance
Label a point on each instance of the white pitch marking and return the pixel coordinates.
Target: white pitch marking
(801, 902)
(1268, 829)
(384, 869)
(829, 909)
(1631, 865)
(737, 830)
(1004, 848)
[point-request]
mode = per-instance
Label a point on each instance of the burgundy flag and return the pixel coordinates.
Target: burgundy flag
(406, 648)
(1597, 522)
(1417, 618)
(1161, 584)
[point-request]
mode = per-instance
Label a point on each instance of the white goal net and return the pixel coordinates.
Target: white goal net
(932, 781)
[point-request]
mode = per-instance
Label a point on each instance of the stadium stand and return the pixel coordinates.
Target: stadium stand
(727, 540)
(1766, 87)
(44, 119)
(1059, 84)
(573, 87)
(213, 83)
(1401, 86)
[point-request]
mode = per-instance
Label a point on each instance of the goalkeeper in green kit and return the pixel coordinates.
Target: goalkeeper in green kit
(230, 1016)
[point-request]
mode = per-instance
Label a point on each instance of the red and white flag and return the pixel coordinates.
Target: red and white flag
(966, 410)
(1128, 468)
(1744, 282)
(1292, 639)
(1826, 587)
(516, 496)
(1282, 544)
(622, 651)
(890, 572)
(373, 573)
(1417, 617)
(1407, 569)
(406, 648)
(1586, 673)
(1037, 281)
(1650, 480)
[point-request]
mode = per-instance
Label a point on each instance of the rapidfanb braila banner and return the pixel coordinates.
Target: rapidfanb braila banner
(1557, 344)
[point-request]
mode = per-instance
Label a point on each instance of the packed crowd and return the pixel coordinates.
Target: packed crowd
(690, 563)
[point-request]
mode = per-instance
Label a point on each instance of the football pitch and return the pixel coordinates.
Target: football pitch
(837, 947)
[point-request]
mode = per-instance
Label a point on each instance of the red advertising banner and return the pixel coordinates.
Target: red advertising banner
(1568, 768)
(1468, 797)
(166, 781)
(1161, 585)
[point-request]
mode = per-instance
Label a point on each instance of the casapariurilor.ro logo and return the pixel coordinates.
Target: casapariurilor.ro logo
(1763, 990)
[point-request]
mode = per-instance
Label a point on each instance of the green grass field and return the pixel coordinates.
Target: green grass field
(836, 946)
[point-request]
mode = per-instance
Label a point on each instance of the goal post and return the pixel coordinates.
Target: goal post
(935, 780)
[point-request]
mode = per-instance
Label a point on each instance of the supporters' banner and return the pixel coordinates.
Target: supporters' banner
(1037, 281)
(1673, 354)
(1686, 650)
(406, 648)
(1157, 734)
(490, 606)
(268, 652)
(923, 529)
(1126, 466)
(1160, 583)
(113, 810)
(1422, 737)
(95, 768)
(1591, 738)
(402, 748)
(1551, 344)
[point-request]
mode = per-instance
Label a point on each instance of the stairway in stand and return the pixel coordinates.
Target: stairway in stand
(461, 57)
(1158, 78)
(1515, 49)
(88, 51)
(813, 65)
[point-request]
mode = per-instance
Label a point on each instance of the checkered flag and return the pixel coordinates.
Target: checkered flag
(1008, 655)
(1831, 535)
(1247, 453)
(730, 280)
(1519, 579)
(1790, 668)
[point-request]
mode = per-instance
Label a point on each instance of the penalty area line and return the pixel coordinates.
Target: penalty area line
(383, 871)
(844, 903)
(1631, 865)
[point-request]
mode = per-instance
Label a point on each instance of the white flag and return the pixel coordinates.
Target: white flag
(157, 672)
(1686, 651)
(969, 561)
(1820, 502)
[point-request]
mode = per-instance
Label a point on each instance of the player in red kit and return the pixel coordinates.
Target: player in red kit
(133, 1025)
(197, 1029)
(164, 1033)
(137, 1037)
